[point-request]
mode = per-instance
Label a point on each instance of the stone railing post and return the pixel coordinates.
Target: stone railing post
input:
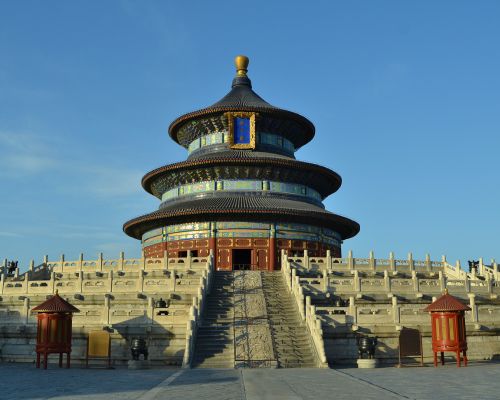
(496, 274)
(26, 310)
(52, 282)
(80, 281)
(371, 260)
(121, 260)
(106, 309)
(411, 264)
(489, 282)
(328, 260)
(110, 281)
(32, 266)
(392, 262)
(387, 281)
(396, 311)
(473, 274)
(306, 260)
(415, 281)
(428, 263)
(350, 260)
(481, 269)
(357, 282)
(325, 279)
(174, 277)
(467, 284)
(99, 261)
(301, 301)
(26, 282)
(442, 281)
(140, 281)
(150, 310)
(473, 307)
(352, 311)
(2, 281)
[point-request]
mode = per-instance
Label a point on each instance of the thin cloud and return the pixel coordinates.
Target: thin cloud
(10, 234)
(24, 154)
(28, 154)
(103, 181)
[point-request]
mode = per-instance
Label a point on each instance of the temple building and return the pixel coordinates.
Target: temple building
(240, 202)
(241, 194)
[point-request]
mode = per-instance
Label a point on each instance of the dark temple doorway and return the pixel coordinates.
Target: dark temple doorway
(242, 259)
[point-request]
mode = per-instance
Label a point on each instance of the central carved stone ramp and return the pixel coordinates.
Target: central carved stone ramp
(214, 346)
(292, 345)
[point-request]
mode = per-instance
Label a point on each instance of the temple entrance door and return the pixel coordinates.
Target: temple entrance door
(261, 263)
(242, 259)
(224, 259)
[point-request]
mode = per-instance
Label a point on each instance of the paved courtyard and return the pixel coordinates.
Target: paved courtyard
(478, 381)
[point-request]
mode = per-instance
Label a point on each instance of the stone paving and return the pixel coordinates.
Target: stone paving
(477, 381)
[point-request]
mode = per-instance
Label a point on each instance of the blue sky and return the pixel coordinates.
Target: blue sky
(405, 97)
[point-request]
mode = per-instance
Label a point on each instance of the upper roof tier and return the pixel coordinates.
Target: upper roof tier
(296, 128)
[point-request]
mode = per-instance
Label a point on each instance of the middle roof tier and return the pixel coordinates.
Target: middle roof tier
(319, 178)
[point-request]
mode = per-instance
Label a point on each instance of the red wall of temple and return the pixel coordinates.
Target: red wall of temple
(265, 253)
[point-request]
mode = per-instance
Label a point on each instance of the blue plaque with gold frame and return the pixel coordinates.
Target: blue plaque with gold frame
(241, 130)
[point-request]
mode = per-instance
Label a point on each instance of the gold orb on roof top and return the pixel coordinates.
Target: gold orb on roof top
(241, 63)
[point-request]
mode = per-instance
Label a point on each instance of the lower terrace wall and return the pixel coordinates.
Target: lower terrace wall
(378, 297)
(119, 296)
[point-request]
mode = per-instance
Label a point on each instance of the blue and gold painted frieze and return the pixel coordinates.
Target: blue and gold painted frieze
(243, 234)
(236, 229)
(242, 225)
(268, 139)
(241, 185)
(198, 226)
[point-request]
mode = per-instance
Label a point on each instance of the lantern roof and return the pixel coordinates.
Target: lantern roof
(241, 97)
(56, 304)
(446, 303)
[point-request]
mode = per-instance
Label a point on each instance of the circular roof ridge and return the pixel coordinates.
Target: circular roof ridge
(146, 180)
(346, 227)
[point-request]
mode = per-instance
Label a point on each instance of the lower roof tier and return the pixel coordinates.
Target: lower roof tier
(242, 209)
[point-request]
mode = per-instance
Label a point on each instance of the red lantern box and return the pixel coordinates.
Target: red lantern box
(448, 327)
(54, 329)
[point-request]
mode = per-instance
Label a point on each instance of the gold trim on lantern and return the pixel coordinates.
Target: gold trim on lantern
(230, 123)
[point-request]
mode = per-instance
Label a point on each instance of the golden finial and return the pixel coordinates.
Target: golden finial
(57, 292)
(241, 63)
(446, 291)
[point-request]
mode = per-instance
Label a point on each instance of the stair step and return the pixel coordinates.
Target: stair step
(214, 346)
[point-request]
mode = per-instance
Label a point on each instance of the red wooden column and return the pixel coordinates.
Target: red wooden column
(272, 248)
(212, 243)
(54, 332)
(448, 327)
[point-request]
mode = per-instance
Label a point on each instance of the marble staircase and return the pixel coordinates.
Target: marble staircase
(214, 346)
(291, 340)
